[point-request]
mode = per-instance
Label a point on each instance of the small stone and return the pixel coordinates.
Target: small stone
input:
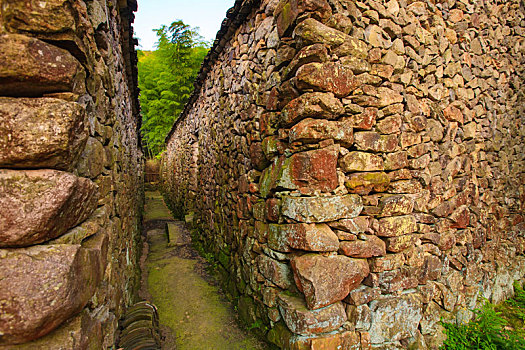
(311, 105)
(330, 77)
(364, 183)
(325, 280)
(389, 324)
(315, 130)
(276, 272)
(453, 114)
(301, 320)
(310, 171)
(31, 67)
(311, 31)
(361, 161)
(372, 246)
(400, 243)
(397, 226)
(388, 97)
(43, 286)
(388, 262)
(396, 205)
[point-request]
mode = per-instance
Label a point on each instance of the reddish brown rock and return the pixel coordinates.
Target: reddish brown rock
(330, 77)
(364, 183)
(308, 54)
(310, 237)
(397, 226)
(275, 271)
(387, 263)
(321, 209)
(325, 280)
(301, 320)
(361, 161)
(311, 171)
(44, 133)
(311, 105)
(372, 141)
(363, 121)
(30, 67)
(372, 246)
(42, 286)
(345, 340)
(396, 205)
(400, 243)
(39, 205)
(315, 130)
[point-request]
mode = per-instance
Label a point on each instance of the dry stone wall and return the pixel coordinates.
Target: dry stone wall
(357, 167)
(71, 172)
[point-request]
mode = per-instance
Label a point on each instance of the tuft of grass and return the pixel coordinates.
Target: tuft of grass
(494, 327)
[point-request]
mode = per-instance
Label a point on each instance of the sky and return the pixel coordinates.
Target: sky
(205, 14)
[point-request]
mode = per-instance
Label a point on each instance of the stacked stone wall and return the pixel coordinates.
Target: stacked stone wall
(71, 172)
(357, 167)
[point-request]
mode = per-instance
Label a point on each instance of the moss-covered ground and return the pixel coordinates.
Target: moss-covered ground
(189, 301)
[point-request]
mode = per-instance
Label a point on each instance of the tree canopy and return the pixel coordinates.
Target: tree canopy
(166, 78)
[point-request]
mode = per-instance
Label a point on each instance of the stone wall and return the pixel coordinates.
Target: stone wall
(357, 167)
(71, 172)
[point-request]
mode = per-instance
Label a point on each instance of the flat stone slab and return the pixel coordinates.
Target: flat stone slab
(39, 205)
(322, 209)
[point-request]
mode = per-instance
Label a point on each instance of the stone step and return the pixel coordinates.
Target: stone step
(140, 328)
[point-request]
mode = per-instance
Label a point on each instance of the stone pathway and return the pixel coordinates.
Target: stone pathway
(192, 311)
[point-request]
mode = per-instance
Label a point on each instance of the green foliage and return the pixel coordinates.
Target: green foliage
(490, 328)
(166, 80)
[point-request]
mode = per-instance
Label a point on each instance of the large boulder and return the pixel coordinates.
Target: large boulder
(31, 67)
(325, 280)
(43, 286)
(39, 205)
(45, 133)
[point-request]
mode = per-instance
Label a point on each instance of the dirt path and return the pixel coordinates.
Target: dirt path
(192, 310)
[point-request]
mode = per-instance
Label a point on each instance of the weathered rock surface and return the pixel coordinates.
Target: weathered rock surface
(31, 67)
(41, 133)
(370, 247)
(325, 280)
(301, 320)
(309, 237)
(39, 205)
(388, 324)
(43, 286)
(311, 105)
(321, 209)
